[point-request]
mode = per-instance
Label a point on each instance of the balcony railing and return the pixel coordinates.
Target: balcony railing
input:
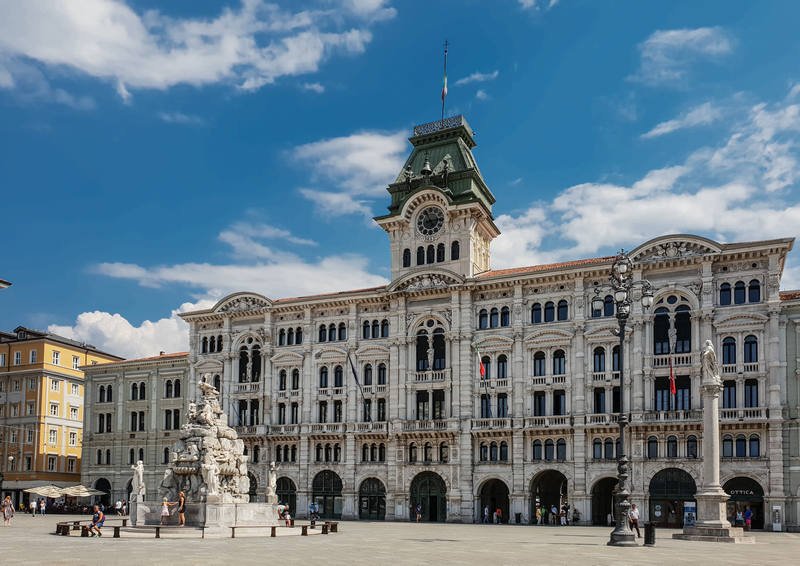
(483, 383)
(752, 367)
(602, 419)
(286, 429)
(253, 387)
(431, 424)
(372, 427)
(546, 422)
(744, 414)
(672, 416)
(251, 430)
(678, 360)
(487, 424)
(425, 376)
(333, 428)
(538, 380)
(728, 368)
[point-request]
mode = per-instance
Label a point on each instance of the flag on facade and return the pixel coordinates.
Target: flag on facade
(355, 375)
(672, 388)
(481, 367)
(444, 87)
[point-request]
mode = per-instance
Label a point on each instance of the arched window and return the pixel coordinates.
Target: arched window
(365, 330)
(430, 255)
(168, 389)
(212, 344)
(134, 391)
(365, 453)
(691, 446)
(323, 377)
(487, 367)
(373, 453)
(504, 451)
(683, 328)
(142, 391)
(219, 343)
(109, 394)
(661, 326)
(376, 329)
(652, 447)
(725, 294)
(563, 310)
(368, 374)
(549, 449)
(729, 351)
(328, 452)
(483, 319)
(406, 257)
(755, 446)
(505, 317)
(166, 456)
(739, 293)
(597, 449)
(754, 291)
(331, 332)
(444, 453)
(382, 374)
(412, 453)
(338, 376)
(382, 452)
(750, 349)
(282, 380)
(420, 255)
(672, 447)
(608, 449)
(217, 383)
(455, 251)
(337, 452)
(281, 338)
(323, 333)
(298, 336)
(559, 362)
(536, 313)
(440, 253)
(176, 389)
(427, 452)
(539, 361)
(484, 452)
(537, 449)
(608, 306)
(295, 379)
(101, 398)
(256, 453)
(549, 311)
(319, 453)
(741, 446)
(204, 348)
(493, 452)
(384, 328)
(615, 358)
(561, 450)
(502, 366)
(99, 457)
(342, 331)
(141, 454)
(599, 360)
(494, 318)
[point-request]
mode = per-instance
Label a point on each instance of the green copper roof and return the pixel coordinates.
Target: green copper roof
(447, 146)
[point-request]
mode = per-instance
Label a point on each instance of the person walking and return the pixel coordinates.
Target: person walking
(486, 514)
(181, 509)
(98, 518)
(748, 518)
(633, 519)
(8, 511)
(538, 515)
(32, 507)
(418, 510)
(563, 517)
(42, 507)
(118, 507)
(554, 515)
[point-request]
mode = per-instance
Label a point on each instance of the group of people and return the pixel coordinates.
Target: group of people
(743, 518)
(180, 504)
(497, 516)
(554, 515)
(39, 505)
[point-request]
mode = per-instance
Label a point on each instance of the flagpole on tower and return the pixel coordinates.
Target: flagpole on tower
(444, 85)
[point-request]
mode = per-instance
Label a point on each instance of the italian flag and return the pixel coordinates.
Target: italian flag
(672, 389)
(444, 87)
(481, 367)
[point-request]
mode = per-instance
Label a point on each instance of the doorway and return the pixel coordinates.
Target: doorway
(429, 491)
(603, 500)
(494, 496)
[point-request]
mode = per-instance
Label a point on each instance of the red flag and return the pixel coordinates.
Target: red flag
(672, 389)
(481, 367)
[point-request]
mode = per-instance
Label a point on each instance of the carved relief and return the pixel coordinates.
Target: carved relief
(243, 304)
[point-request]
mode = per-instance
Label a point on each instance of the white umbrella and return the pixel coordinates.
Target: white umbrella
(81, 491)
(46, 491)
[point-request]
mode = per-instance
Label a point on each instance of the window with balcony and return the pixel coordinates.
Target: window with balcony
(615, 359)
(683, 395)
(539, 361)
(282, 380)
(539, 404)
(367, 410)
(599, 360)
(323, 377)
(599, 400)
(559, 402)
(486, 406)
(559, 362)
(295, 379)
(751, 393)
(502, 366)
(750, 349)
(729, 394)
(729, 351)
(502, 405)
(281, 413)
(295, 413)
(381, 410)
(337, 411)
(423, 406)
(486, 361)
(322, 412)
(368, 374)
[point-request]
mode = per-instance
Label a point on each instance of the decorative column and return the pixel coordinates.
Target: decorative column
(712, 524)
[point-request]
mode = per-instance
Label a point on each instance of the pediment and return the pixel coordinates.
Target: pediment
(287, 358)
(679, 246)
(548, 337)
(372, 351)
(242, 302)
(495, 343)
(742, 319)
(331, 353)
(209, 365)
(430, 279)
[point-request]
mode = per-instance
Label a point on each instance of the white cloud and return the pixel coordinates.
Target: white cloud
(667, 54)
(516, 182)
(29, 84)
(314, 87)
(181, 118)
(250, 45)
(247, 240)
(537, 4)
(477, 77)
(481, 95)
(698, 116)
(743, 188)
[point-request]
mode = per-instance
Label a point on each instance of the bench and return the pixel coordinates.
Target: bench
(159, 528)
(325, 529)
(333, 526)
(64, 527)
(272, 529)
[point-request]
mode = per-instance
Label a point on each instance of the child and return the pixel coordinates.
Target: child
(165, 505)
(97, 521)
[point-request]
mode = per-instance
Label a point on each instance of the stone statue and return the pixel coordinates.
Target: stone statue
(137, 481)
(430, 359)
(272, 485)
(710, 365)
(169, 487)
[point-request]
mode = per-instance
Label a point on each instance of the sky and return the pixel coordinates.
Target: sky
(155, 157)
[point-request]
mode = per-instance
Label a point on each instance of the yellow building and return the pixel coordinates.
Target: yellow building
(41, 408)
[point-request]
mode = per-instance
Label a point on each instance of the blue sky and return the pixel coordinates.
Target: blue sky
(156, 156)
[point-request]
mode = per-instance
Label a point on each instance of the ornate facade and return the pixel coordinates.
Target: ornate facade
(372, 401)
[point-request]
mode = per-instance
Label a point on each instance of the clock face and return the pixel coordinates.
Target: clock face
(430, 221)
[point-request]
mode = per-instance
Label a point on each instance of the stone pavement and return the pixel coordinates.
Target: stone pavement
(31, 541)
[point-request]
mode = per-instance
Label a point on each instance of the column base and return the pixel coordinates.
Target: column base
(622, 539)
(714, 534)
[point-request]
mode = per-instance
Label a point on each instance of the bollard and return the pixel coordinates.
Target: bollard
(649, 534)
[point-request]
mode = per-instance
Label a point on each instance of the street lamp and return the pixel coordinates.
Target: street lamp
(622, 284)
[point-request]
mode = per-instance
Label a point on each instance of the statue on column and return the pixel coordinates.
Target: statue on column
(137, 481)
(710, 365)
(430, 358)
(272, 485)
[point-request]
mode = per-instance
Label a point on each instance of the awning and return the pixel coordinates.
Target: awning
(45, 491)
(81, 491)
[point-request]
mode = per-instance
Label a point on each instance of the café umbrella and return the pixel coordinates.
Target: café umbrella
(51, 491)
(81, 491)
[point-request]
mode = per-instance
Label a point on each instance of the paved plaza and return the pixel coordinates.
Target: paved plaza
(30, 541)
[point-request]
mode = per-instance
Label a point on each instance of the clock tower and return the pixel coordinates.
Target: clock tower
(440, 214)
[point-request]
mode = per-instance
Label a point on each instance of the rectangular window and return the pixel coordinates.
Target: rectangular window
(323, 412)
(16, 385)
(13, 436)
(73, 438)
(337, 411)
(14, 410)
(502, 405)
(751, 393)
(75, 389)
(367, 410)
(56, 357)
(615, 399)
(33, 356)
(53, 409)
(55, 384)
(729, 394)
(599, 400)
(2, 360)
(17, 358)
(661, 402)
(71, 465)
(281, 413)
(381, 410)
(32, 384)
(29, 409)
(28, 463)
(423, 406)
(486, 406)
(51, 463)
(438, 404)
(539, 404)
(53, 436)
(683, 397)
(73, 413)
(295, 413)
(29, 437)
(76, 362)
(559, 402)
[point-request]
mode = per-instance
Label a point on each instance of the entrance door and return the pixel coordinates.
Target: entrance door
(287, 493)
(494, 495)
(372, 500)
(603, 500)
(548, 490)
(745, 493)
(669, 490)
(327, 492)
(429, 491)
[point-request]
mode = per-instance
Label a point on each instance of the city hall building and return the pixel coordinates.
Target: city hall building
(371, 402)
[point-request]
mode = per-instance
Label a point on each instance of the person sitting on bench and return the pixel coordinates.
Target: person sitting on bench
(97, 522)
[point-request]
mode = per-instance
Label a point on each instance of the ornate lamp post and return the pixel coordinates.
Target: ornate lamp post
(623, 285)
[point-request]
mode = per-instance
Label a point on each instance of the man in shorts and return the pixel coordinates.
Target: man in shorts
(97, 521)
